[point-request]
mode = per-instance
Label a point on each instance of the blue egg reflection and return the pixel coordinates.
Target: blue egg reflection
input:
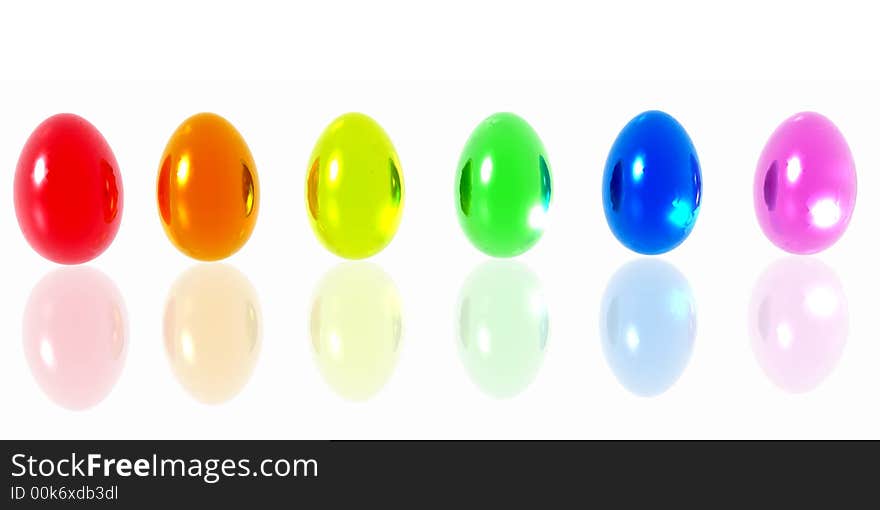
(648, 325)
(502, 327)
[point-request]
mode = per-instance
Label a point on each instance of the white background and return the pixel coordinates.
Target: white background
(729, 77)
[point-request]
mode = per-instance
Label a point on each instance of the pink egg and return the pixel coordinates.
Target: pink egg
(799, 322)
(805, 184)
(75, 336)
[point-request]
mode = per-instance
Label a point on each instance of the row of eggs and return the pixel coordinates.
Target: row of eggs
(76, 334)
(69, 193)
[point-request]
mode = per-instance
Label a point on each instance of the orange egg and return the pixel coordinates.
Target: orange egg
(208, 192)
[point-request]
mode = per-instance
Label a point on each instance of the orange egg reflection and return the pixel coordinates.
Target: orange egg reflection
(208, 192)
(213, 331)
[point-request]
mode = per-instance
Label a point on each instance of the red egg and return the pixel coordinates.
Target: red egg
(68, 190)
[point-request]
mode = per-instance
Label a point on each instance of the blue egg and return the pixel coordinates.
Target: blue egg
(647, 325)
(652, 184)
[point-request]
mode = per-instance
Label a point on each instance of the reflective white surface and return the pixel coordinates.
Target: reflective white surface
(723, 391)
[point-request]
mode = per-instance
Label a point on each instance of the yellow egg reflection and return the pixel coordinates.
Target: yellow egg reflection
(354, 187)
(212, 331)
(356, 328)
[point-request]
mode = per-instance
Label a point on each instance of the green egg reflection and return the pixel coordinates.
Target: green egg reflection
(502, 327)
(356, 328)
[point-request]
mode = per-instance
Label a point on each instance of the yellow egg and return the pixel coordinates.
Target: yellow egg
(354, 187)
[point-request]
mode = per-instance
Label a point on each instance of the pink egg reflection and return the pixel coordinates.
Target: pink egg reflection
(75, 336)
(799, 322)
(805, 184)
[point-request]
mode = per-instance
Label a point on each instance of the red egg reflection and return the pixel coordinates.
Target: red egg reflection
(75, 336)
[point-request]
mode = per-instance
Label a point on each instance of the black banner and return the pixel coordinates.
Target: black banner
(127, 474)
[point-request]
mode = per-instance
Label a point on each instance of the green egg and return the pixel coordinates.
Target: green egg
(503, 186)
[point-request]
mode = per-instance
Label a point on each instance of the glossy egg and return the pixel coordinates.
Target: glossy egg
(354, 187)
(647, 325)
(213, 331)
(208, 191)
(652, 184)
(75, 335)
(503, 186)
(503, 327)
(799, 322)
(68, 190)
(356, 328)
(805, 184)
